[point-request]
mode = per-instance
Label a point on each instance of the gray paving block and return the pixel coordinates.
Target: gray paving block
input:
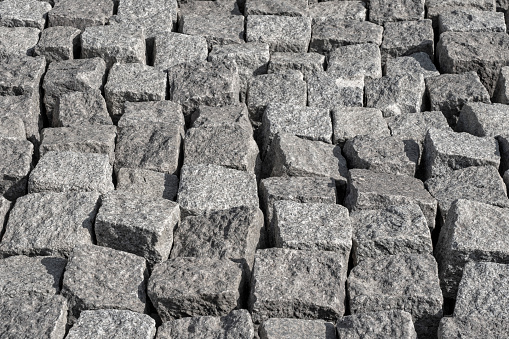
(501, 93)
(415, 126)
(229, 29)
(268, 7)
(396, 95)
(171, 49)
(5, 206)
(331, 33)
(18, 41)
(436, 7)
(133, 82)
(355, 60)
(348, 122)
(282, 33)
(327, 90)
(446, 151)
(412, 64)
(298, 284)
(21, 75)
(24, 13)
(58, 43)
(223, 115)
(390, 230)
(473, 326)
(339, 10)
(75, 109)
(383, 154)
(50, 223)
(15, 167)
(481, 119)
(371, 325)
(81, 13)
(406, 38)
(371, 190)
(385, 11)
(148, 183)
(236, 324)
(210, 8)
(406, 282)
(176, 287)
(159, 113)
(306, 63)
(471, 20)
(449, 92)
(12, 127)
(26, 108)
(287, 328)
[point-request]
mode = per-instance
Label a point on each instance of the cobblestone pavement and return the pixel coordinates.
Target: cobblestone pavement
(240, 169)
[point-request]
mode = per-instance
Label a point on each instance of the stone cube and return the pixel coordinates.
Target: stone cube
(160, 113)
(190, 286)
(501, 93)
(75, 109)
(327, 90)
(282, 33)
(437, 7)
(287, 328)
(417, 63)
(98, 278)
(299, 284)
(286, 8)
(383, 154)
(471, 20)
(348, 122)
(148, 183)
(446, 151)
(390, 230)
(223, 30)
(473, 326)
(372, 190)
(58, 43)
(384, 11)
(306, 63)
(382, 324)
(171, 49)
(50, 223)
(18, 41)
(406, 282)
(26, 108)
(449, 92)
(406, 38)
(24, 13)
(355, 60)
(331, 33)
(21, 75)
(15, 167)
(12, 127)
(481, 119)
(415, 126)
(133, 82)
(396, 95)
(224, 115)
(209, 8)
(81, 13)
(339, 10)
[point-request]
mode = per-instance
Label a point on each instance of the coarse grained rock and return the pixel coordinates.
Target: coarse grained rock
(482, 119)
(171, 49)
(224, 115)
(12, 127)
(372, 325)
(415, 63)
(471, 20)
(81, 108)
(148, 183)
(328, 90)
(436, 7)
(24, 13)
(306, 63)
(472, 327)
(415, 126)
(348, 122)
(385, 11)
(501, 92)
(15, 167)
(164, 113)
(5, 206)
(355, 60)
(81, 13)
(371, 190)
(50, 223)
(25, 107)
(406, 38)
(21, 75)
(229, 29)
(268, 7)
(18, 41)
(176, 287)
(58, 43)
(288, 328)
(209, 8)
(340, 10)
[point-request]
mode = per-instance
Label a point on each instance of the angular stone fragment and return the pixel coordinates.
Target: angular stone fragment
(371, 190)
(384, 11)
(287, 328)
(225, 30)
(268, 7)
(24, 13)
(413, 64)
(50, 223)
(81, 109)
(18, 41)
(58, 43)
(133, 82)
(396, 95)
(26, 108)
(348, 122)
(383, 154)
(15, 167)
(501, 93)
(447, 150)
(406, 38)
(159, 113)
(103, 324)
(81, 13)
(327, 90)
(299, 284)
(176, 287)
(437, 7)
(355, 60)
(306, 63)
(382, 324)
(225, 188)
(236, 324)
(406, 282)
(391, 230)
(482, 119)
(171, 49)
(482, 52)
(461, 20)
(225, 115)
(331, 33)
(449, 92)
(148, 183)
(282, 33)
(339, 10)
(415, 126)
(473, 327)
(21, 75)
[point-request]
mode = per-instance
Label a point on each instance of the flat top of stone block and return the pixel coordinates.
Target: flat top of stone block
(471, 20)
(74, 75)
(348, 122)
(29, 13)
(18, 41)
(148, 183)
(383, 12)
(268, 7)
(484, 119)
(344, 10)
(228, 30)
(210, 8)
(163, 112)
(354, 60)
(136, 78)
(12, 127)
(288, 328)
(416, 32)
(100, 134)
(371, 325)
(81, 14)
(17, 157)
(415, 126)
(485, 327)
(21, 74)
(171, 48)
(470, 46)
(414, 63)
(57, 36)
(223, 115)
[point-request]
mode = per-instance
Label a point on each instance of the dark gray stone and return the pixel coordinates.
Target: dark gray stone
(268, 7)
(81, 109)
(306, 63)
(417, 63)
(348, 122)
(171, 49)
(481, 119)
(501, 93)
(287, 328)
(328, 90)
(372, 325)
(24, 13)
(148, 183)
(25, 107)
(18, 41)
(473, 327)
(355, 60)
(471, 20)
(339, 10)
(415, 126)
(384, 11)
(406, 38)
(223, 30)
(15, 167)
(81, 13)
(207, 116)
(58, 43)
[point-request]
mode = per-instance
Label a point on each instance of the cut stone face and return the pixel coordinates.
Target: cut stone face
(81, 13)
(477, 183)
(25, 107)
(382, 324)
(331, 33)
(391, 230)
(348, 122)
(287, 328)
(306, 63)
(282, 33)
(207, 116)
(5, 206)
(327, 90)
(81, 108)
(140, 225)
(396, 95)
(449, 92)
(171, 49)
(236, 324)
(473, 326)
(176, 287)
(417, 63)
(339, 10)
(406, 38)
(133, 82)
(50, 223)
(24, 13)
(415, 126)
(12, 127)
(63, 171)
(371, 190)
(83, 139)
(103, 324)
(223, 30)
(482, 52)
(21, 75)
(18, 41)
(58, 43)
(209, 8)
(226, 188)
(157, 113)
(385, 11)
(447, 150)
(285, 88)
(355, 60)
(473, 231)
(385, 284)
(501, 93)
(148, 183)
(482, 119)
(268, 7)
(461, 20)
(437, 7)
(71, 76)
(15, 167)
(299, 284)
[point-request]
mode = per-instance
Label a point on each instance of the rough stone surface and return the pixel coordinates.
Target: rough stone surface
(384, 11)
(5, 206)
(406, 38)
(437, 7)
(415, 126)
(21, 75)
(148, 183)
(15, 167)
(63, 171)
(472, 327)
(25, 107)
(18, 41)
(482, 119)
(210, 8)
(417, 63)
(229, 29)
(50, 223)
(24, 13)
(12, 127)
(348, 122)
(164, 113)
(81, 13)
(58, 43)
(268, 7)
(171, 49)
(501, 93)
(219, 116)
(327, 90)
(372, 325)
(81, 108)
(306, 63)
(287, 328)
(355, 60)
(461, 20)
(176, 287)
(339, 10)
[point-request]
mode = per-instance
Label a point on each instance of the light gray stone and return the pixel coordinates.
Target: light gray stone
(384, 11)
(58, 43)
(26, 108)
(159, 113)
(224, 115)
(148, 183)
(15, 167)
(287, 328)
(327, 90)
(471, 20)
(339, 10)
(81, 13)
(81, 109)
(372, 325)
(436, 7)
(501, 93)
(210, 8)
(415, 126)
(5, 206)
(503, 144)
(24, 13)
(50, 223)
(473, 327)
(21, 75)
(12, 127)
(171, 49)
(406, 38)
(355, 60)
(417, 63)
(285, 8)
(18, 41)
(223, 30)
(481, 119)
(348, 122)
(306, 63)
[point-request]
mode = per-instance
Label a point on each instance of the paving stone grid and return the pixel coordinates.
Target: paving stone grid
(254, 169)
